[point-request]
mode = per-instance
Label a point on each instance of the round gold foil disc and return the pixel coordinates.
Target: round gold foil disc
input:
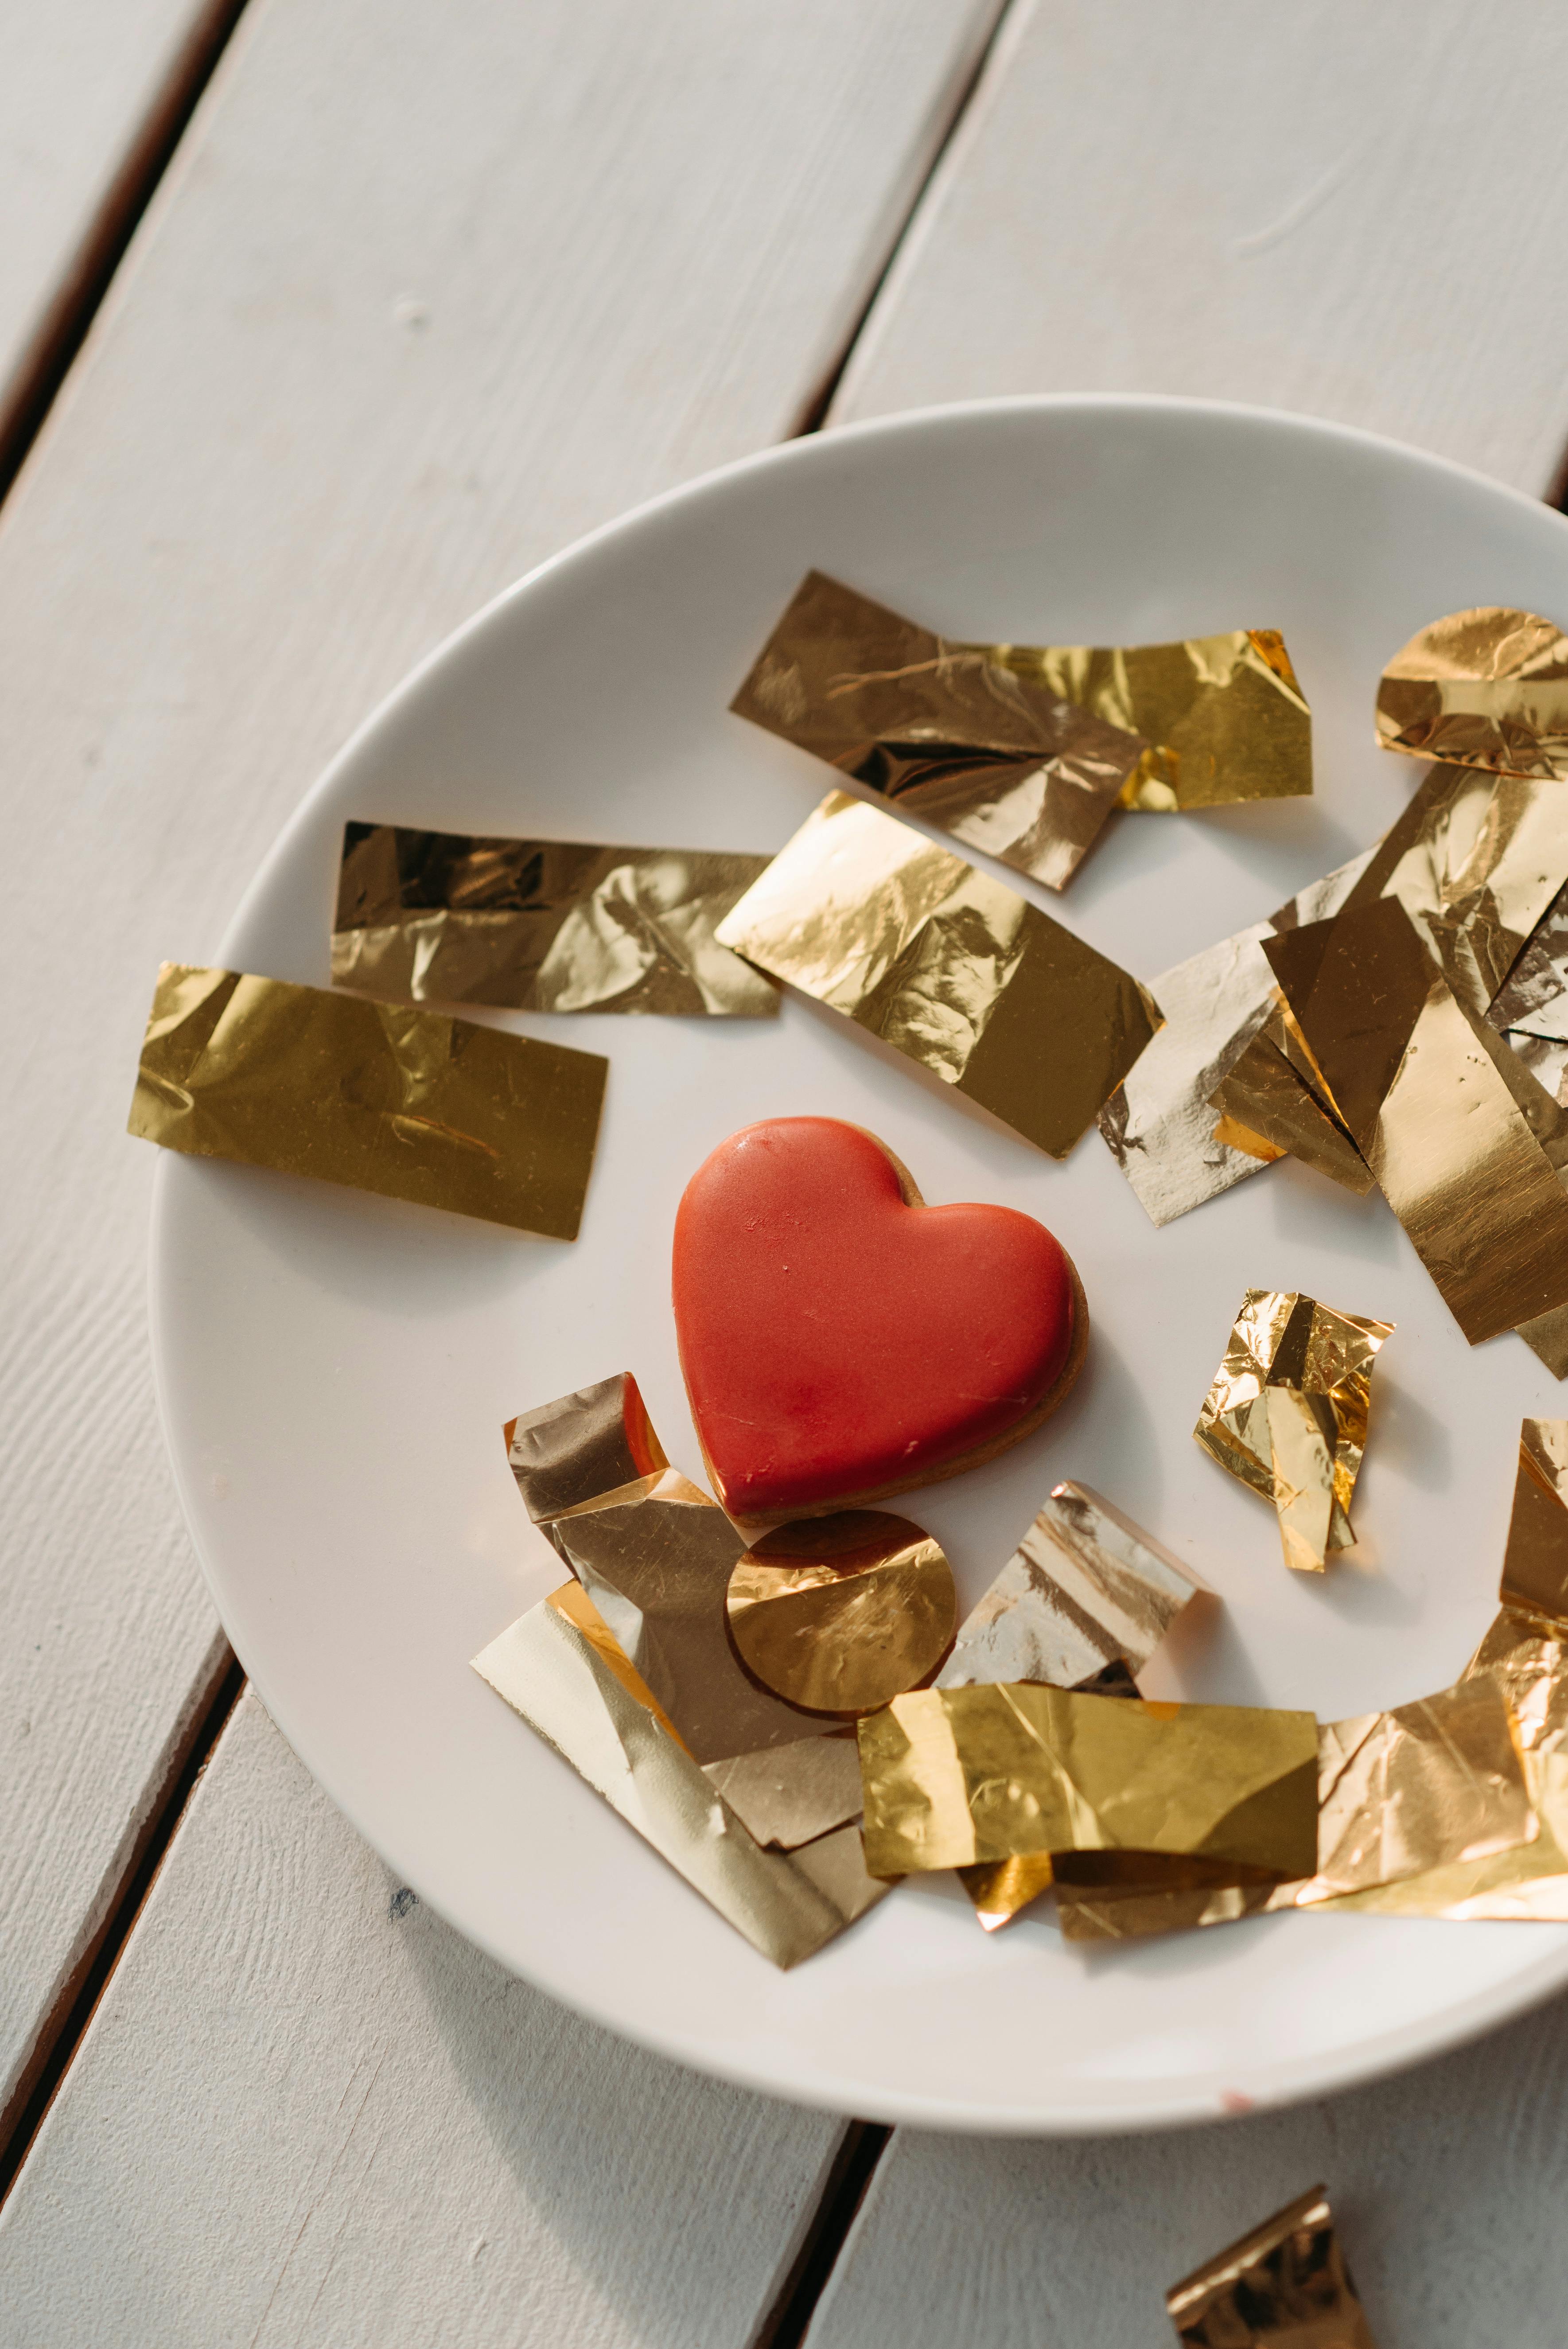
(842, 1614)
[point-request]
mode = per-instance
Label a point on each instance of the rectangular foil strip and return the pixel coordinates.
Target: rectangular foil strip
(787, 1905)
(1286, 2285)
(406, 1103)
(951, 968)
(941, 728)
(541, 925)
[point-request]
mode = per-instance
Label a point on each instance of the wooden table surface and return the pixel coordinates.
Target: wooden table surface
(319, 321)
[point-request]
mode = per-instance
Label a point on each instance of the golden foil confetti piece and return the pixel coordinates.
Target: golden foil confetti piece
(1286, 1415)
(1429, 1096)
(1264, 1104)
(1084, 1588)
(790, 1795)
(949, 966)
(1485, 687)
(787, 1905)
(1001, 1889)
(995, 759)
(409, 1104)
(1283, 2286)
(583, 1447)
(1535, 1562)
(1530, 1011)
(572, 1601)
(540, 925)
(1321, 899)
(1223, 716)
(843, 1612)
(1115, 1913)
(955, 1776)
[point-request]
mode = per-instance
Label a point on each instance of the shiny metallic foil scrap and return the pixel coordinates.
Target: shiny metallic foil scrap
(1283, 2286)
(540, 925)
(1530, 1011)
(943, 729)
(1485, 687)
(554, 1675)
(1535, 1561)
(583, 1447)
(1225, 717)
(1286, 1415)
(957, 1777)
(410, 1105)
(1266, 1105)
(841, 1613)
(954, 969)
(789, 1795)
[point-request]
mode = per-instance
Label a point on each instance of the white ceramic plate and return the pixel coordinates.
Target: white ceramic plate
(335, 1370)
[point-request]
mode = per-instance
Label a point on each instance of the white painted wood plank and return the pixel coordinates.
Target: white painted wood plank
(307, 2112)
(78, 81)
(1350, 210)
(1447, 2185)
(428, 292)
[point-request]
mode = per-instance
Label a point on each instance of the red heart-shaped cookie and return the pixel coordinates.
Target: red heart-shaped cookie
(840, 1340)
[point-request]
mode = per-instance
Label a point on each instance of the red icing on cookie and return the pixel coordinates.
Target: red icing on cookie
(836, 1339)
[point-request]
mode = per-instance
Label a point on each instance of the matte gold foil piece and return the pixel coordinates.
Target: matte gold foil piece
(1225, 717)
(950, 967)
(1286, 2285)
(789, 1795)
(942, 729)
(957, 1777)
(583, 1447)
(1483, 687)
(410, 1105)
(841, 1613)
(1286, 1415)
(540, 925)
(787, 1905)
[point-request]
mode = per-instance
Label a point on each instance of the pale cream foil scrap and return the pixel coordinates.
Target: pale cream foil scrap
(405, 1103)
(1483, 687)
(1286, 2285)
(1224, 716)
(956, 1776)
(789, 1795)
(951, 967)
(583, 1447)
(541, 925)
(787, 1905)
(941, 728)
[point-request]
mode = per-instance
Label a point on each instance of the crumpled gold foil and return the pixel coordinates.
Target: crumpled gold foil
(790, 1795)
(788, 1905)
(1283, 2286)
(409, 1104)
(951, 968)
(1266, 1106)
(1484, 688)
(1286, 1415)
(954, 1777)
(994, 758)
(583, 1447)
(1223, 716)
(540, 925)
(841, 1613)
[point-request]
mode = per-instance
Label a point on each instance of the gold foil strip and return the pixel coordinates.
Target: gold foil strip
(1225, 717)
(540, 925)
(789, 1795)
(1283, 2286)
(841, 1613)
(942, 729)
(583, 1447)
(409, 1104)
(788, 1905)
(1286, 1415)
(956, 1776)
(950, 967)
(1264, 1104)
(1483, 687)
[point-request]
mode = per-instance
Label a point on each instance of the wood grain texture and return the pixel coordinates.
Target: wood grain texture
(1350, 211)
(427, 293)
(307, 2112)
(1446, 2185)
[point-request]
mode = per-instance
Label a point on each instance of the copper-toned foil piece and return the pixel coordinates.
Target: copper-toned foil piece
(410, 1105)
(841, 1613)
(789, 1795)
(1286, 1415)
(583, 1447)
(1223, 716)
(956, 1776)
(1283, 2286)
(1265, 1105)
(954, 969)
(540, 925)
(995, 759)
(554, 1675)
(1484, 688)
